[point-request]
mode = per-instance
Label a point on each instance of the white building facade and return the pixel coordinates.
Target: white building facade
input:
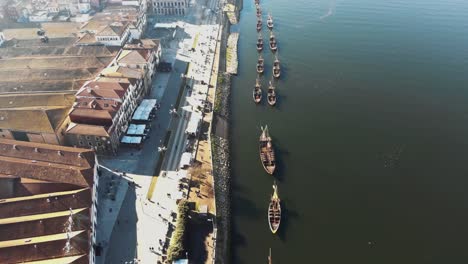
(170, 7)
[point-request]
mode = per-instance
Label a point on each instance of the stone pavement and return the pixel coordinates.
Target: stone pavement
(133, 226)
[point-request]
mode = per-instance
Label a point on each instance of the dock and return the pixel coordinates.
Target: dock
(231, 53)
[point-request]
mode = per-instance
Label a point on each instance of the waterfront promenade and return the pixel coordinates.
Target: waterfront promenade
(132, 218)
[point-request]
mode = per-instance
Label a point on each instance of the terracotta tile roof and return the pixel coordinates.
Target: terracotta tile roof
(77, 157)
(38, 100)
(47, 249)
(114, 29)
(131, 81)
(106, 85)
(51, 204)
(101, 93)
(143, 44)
(33, 225)
(33, 120)
(98, 104)
(134, 56)
(91, 116)
(91, 130)
(121, 72)
(87, 38)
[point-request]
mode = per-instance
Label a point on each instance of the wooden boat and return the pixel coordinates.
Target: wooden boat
(259, 11)
(267, 153)
(269, 258)
(270, 22)
(259, 25)
(271, 95)
(259, 42)
(274, 210)
(273, 44)
(257, 92)
(276, 68)
(260, 64)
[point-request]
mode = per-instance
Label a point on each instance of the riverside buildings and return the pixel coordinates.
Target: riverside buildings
(170, 7)
(78, 87)
(103, 107)
(48, 201)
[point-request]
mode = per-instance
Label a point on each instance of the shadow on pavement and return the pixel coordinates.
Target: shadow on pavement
(199, 229)
(123, 241)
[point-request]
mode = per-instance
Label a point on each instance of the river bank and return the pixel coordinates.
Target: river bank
(221, 147)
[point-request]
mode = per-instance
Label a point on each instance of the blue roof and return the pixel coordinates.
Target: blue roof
(180, 261)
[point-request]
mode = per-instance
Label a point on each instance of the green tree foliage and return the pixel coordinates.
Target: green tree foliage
(177, 248)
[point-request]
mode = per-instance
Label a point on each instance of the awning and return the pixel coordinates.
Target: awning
(143, 111)
(131, 140)
(185, 160)
(193, 123)
(136, 130)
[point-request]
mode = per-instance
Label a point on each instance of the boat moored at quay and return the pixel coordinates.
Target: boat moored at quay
(260, 64)
(274, 211)
(259, 42)
(270, 22)
(276, 68)
(271, 94)
(267, 153)
(257, 92)
(273, 44)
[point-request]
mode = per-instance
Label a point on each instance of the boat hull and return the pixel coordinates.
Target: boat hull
(273, 48)
(274, 215)
(267, 152)
(272, 103)
(257, 97)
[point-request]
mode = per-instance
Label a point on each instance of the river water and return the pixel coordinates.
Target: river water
(371, 132)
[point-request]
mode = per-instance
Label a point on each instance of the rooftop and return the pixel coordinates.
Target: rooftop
(84, 129)
(91, 116)
(49, 185)
(33, 120)
(134, 56)
(121, 72)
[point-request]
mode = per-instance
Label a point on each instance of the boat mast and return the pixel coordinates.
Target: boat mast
(269, 258)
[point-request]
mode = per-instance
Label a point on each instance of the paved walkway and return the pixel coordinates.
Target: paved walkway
(130, 225)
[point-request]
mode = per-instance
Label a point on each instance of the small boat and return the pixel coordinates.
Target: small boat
(267, 153)
(259, 25)
(259, 11)
(257, 92)
(276, 68)
(269, 258)
(259, 42)
(270, 22)
(274, 211)
(273, 44)
(260, 64)
(271, 95)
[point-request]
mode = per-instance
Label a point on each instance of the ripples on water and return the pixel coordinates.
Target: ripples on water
(371, 132)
